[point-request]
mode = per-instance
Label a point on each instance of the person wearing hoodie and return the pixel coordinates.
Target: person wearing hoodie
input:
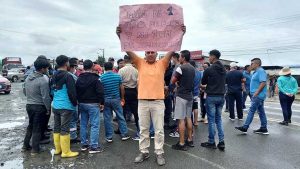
(63, 105)
(38, 104)
(215, 99)
(90, 96)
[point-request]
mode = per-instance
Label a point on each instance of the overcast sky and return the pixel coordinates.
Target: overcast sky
(241, 30)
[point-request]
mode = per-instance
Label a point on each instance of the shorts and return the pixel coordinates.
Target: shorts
(195, 105)
(183, 108)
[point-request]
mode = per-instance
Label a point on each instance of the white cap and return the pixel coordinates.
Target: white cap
(233, 64)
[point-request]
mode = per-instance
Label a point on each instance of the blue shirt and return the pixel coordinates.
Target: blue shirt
(197, 81)
(248, 77)
(111, 83)
(287, 85)
(258, 77)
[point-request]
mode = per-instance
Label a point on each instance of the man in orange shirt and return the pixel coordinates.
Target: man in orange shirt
(151, 100)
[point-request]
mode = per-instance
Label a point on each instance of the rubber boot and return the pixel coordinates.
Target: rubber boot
(56, 139)
(65, 147)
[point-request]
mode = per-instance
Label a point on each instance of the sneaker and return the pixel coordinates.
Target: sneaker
(209, 145)
(160, 159)
(202, 120)
(174, 134)
(221, 146)
(242, 129)
(109, 140)
(26, 148)
(178, 146)
(241, 119)
(84, 147)
(136, 138)
(152, 136)
(189, 143)
(285, 123)
(126, 137)
(141, 157)
(96, 150)
(261, 131)
(232, 119)
(205, 122)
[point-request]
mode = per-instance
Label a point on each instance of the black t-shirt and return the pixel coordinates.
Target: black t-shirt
(234, 81)
(185, 74)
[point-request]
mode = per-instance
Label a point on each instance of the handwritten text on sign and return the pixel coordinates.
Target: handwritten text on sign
(151, 27)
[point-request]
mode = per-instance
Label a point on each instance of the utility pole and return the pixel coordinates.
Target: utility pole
(101, 59)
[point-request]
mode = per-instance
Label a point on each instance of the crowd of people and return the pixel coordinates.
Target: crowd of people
(150, 90)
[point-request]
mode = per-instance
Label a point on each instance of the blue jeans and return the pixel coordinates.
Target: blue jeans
(109, 106)
(90, 113)
(256, 104)
(73, 125)
(214, 105)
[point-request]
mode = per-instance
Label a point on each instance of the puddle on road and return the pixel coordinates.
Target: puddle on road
(12, 164)
(10, 125)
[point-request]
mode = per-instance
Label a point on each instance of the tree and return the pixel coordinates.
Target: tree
(101, 60)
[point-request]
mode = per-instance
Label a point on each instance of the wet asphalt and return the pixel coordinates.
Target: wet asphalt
(279, 150)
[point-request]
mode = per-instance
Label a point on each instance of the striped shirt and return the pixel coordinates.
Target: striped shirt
(111, 83)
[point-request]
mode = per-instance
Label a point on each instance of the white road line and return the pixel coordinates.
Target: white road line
(190, 154)
(276, 108)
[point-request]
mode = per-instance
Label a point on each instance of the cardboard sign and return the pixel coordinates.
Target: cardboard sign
(151, 27)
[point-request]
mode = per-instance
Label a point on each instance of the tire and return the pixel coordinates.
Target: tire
(7, 92)
(14, 79)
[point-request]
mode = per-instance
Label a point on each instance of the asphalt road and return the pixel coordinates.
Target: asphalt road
(279, 150)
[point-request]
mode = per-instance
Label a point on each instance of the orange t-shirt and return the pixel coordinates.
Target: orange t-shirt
(151, 78)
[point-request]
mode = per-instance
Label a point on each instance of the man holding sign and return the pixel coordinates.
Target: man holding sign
(151, 72)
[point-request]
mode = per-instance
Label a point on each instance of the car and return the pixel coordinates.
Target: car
(5, 85)
(16, 74)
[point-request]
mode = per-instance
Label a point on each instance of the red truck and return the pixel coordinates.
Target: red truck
(11, 63)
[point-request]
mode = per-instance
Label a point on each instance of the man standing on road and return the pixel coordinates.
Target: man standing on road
(113, 101)
(129, 75)
(73, 124)
(64, 105)
(151, 100)
(196, 92)
(203, 97)
(246, 89)
(234, 80)
(258, 90)
(184, 76)
(90, 96)
(38, 104)
(214, 80)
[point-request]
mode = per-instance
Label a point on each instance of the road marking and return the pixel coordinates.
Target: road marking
(276, 108)
(189, 154)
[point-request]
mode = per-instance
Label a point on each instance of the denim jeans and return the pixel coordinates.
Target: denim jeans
(109, 106)
(36, 115)
(214, 105)
(257, 104)
(62, 119)
(286, 105)
(90, 113)
(73, 125)
(245, 95)
(237, 98)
